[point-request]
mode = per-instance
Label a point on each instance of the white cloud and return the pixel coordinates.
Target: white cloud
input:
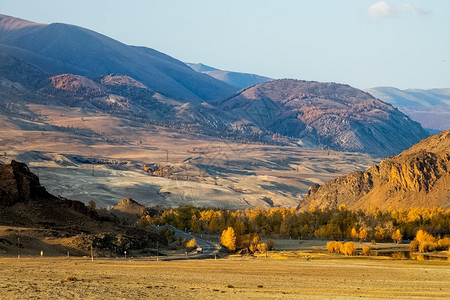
(381, 9)
(415, 10)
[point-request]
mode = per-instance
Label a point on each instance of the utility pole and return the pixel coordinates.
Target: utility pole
(167, 155)
(157, 251)
(92, 254)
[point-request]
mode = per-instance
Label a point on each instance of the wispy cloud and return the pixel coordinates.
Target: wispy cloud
(381, 9)
(415, 10)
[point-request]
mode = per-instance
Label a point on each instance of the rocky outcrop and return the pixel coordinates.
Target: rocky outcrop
(329, 115)
(19, 184)
(129, 211)
(418, 177)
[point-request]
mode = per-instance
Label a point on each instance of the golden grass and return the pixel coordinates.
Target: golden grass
(223, 278)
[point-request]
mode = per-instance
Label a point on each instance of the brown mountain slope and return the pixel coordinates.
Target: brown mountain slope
(417, 177)
(331, 115)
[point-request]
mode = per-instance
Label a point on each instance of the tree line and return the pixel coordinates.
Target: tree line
(336, 224)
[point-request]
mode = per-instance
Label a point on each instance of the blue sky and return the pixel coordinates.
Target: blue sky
(363, 43)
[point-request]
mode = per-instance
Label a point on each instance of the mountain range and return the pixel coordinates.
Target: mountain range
(431, 108)
(240, 80)
(62, 64)
(61, 48)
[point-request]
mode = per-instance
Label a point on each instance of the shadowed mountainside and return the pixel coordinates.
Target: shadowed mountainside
(62, 48)
(68, 224)
(417, 177)
(326, 114)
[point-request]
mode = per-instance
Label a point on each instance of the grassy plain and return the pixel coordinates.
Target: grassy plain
(232, 278)
(83, 155)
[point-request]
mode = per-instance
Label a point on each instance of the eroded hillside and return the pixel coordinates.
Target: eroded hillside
(418, 177)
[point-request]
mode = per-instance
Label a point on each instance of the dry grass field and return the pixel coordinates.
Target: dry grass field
(238, 278)
(84, 155)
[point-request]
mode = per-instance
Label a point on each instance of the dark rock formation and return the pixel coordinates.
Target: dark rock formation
(19, 184)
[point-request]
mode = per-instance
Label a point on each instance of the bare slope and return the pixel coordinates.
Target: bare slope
(326, 114)
(84, 52)
(418, 177)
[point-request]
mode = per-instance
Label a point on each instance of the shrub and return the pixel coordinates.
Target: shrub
(365, 250)
(425, 242)
(270, 244)
(444, 244)
(71, 278)
(349, 249)
(191, 245)
(262, 247)
(414, 245)
(330, 247)
(335, 247)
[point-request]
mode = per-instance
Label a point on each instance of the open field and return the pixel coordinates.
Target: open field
(344, 278)
(84, 155)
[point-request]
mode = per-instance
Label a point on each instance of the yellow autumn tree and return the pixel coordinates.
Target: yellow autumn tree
(228, 239)
(397, 236)
(191, 245)
(354, 234)
(363, 234)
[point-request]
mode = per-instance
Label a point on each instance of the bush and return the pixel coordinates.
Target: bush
(270, 244)
(349, 249)
(425, 242)
(365, 251)
(414, 245)
(330, 247)
(71, 278)
(335, 247)
(444, 244)
(191, 245)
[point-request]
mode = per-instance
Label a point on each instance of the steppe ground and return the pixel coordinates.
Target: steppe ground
(233, 278)
(85, 155)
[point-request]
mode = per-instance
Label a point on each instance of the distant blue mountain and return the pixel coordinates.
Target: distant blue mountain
(240, 80)
(431, 108)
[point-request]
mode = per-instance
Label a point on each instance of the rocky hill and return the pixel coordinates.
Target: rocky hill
(417, 177)
(61, 48)
(326, 114)
(129, 210)
(40, 219)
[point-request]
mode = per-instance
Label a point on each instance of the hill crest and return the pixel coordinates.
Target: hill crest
(417, 177)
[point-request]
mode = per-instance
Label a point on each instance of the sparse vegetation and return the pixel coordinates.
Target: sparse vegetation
(71, 278)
